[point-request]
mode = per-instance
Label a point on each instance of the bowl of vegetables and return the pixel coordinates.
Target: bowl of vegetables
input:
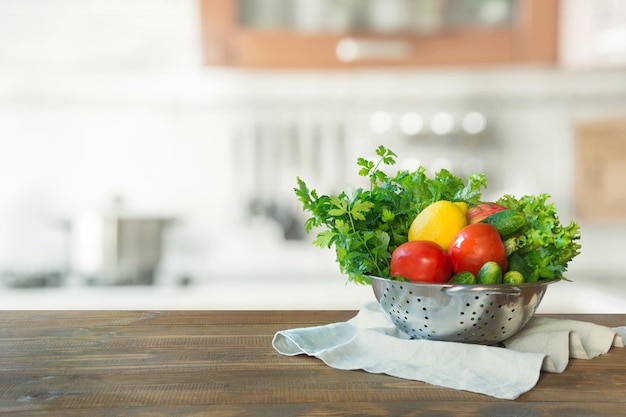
(443, 263)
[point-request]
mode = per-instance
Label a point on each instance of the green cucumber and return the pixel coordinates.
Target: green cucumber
(464, 277)
(513, 278)
(490, 273)
(508, 222)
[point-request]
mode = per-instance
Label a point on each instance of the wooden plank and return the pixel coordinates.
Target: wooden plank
(397, 409)
(222, 363)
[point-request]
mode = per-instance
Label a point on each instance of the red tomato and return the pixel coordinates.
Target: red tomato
(421, 261)
(482, 211)
(474, 245)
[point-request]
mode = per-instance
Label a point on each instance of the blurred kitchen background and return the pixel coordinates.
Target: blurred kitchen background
(149, 148)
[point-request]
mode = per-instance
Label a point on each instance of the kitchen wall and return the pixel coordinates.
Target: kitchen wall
(101, 102)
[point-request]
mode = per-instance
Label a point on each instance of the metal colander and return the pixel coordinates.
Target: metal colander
(474, 313)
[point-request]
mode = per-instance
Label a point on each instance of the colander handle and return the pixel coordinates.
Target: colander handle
(501, 289)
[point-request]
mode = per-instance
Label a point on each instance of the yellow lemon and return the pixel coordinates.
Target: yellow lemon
(462, 205)
(439, 222)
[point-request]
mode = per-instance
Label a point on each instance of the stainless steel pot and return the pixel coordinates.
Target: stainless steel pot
(117, 250)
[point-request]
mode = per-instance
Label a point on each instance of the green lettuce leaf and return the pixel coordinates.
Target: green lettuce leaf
(546, 245)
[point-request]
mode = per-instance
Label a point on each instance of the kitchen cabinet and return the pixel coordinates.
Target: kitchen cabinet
(601, 169)
(377, 33)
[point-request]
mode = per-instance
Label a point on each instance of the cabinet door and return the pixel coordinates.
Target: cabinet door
(249, 33)
(601, 169)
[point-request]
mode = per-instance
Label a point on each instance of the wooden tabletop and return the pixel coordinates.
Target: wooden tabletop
(221, 363)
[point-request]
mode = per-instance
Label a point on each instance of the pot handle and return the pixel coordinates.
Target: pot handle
(490, 289)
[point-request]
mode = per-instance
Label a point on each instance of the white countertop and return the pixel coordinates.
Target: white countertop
(562, 297)
(300, 276)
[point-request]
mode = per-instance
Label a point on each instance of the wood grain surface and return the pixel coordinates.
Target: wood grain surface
(221, 363)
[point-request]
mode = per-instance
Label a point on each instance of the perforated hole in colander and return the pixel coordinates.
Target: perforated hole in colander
(408, 312)
(482, 320)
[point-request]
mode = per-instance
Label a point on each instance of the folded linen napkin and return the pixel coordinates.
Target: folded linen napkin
(370, 341)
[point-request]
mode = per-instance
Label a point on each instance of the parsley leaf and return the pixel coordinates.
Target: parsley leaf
(365, 226)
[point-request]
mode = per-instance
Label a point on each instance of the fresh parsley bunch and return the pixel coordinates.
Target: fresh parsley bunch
(365, 226)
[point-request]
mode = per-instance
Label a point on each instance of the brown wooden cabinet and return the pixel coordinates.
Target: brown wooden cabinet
(600, 158)
(531, 36)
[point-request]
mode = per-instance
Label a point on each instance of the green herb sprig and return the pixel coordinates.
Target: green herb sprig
(365, 226)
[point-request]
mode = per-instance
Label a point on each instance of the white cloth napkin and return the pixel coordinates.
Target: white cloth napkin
(369, 341)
